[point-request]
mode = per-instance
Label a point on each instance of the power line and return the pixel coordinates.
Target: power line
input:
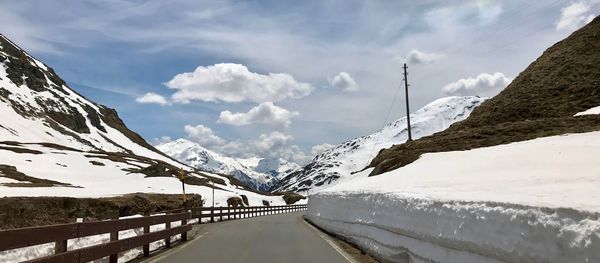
(391, 106)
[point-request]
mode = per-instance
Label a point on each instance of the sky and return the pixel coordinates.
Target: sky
(283, 78)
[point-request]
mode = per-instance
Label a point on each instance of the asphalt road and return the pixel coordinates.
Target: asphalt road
(274, 238)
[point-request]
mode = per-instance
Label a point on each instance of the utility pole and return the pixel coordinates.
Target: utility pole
(407, 104)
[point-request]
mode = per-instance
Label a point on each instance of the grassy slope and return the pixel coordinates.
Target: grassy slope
(540, 102)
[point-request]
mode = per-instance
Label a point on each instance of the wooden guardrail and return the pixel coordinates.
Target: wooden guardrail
(60, 234)
(230, 213)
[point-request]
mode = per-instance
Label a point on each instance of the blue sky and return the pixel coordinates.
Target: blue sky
(276, 78)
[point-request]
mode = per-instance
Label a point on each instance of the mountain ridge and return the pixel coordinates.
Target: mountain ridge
(340, 162)
(541, 101)
(259, 174)
(56, 142)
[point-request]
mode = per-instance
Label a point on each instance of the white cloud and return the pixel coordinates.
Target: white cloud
(278, 145)
(161, 140)
(230, 82)
(575, 16)
(320, 148)
(203, 135)
(153, 98)
(275, 139)
(485, 84)
(265, 113)
(269, 145)
(344, 82)
(416, 57)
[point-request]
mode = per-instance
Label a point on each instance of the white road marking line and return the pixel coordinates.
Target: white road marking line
(332, 243)
(169, 251)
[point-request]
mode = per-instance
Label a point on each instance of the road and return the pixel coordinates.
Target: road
(274, 238)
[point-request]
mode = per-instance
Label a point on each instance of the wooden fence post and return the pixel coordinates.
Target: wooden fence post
(212, 214)
(60, 246)
(146, 247)
(168, 239)
(114, 236)
(184, 234)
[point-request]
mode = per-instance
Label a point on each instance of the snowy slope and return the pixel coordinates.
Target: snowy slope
(37, 106)
(194, 155)
(55, 142)
(531, 201)
(257, 173)
(342, 161)
(592, 111)
(107, 177)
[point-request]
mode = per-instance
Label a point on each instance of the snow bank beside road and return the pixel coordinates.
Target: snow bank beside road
(530, 201)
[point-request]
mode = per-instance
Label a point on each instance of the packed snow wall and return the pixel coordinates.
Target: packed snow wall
(401, 228)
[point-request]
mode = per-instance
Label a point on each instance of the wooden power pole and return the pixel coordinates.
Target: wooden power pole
(407, 104)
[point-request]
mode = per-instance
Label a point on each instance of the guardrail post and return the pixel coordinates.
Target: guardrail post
(114, 236)
(60, 246)
(146, 247)
(168, 239)
(212, 214)
(184, 234)
(220, 213)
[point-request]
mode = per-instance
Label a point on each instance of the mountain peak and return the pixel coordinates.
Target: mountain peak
(257, 173)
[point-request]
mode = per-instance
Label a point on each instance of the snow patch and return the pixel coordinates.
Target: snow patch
(592, 111)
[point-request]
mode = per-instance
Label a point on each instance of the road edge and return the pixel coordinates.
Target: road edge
(333, 241)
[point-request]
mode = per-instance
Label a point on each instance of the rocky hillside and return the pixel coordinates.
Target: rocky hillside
(256, 173)
(55, 142)
(342, 161)
(541, 101)
(38, 106)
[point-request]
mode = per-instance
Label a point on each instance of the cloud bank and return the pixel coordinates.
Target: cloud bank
(203, 135)
(228, 82)
(344, 81)
(575, 16)
(416, 57)
(152, 98)
(265, 113)
(484, 84)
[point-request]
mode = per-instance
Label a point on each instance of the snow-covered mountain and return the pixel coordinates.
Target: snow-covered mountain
(55, 142)
(256, 173)
(342, 161)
